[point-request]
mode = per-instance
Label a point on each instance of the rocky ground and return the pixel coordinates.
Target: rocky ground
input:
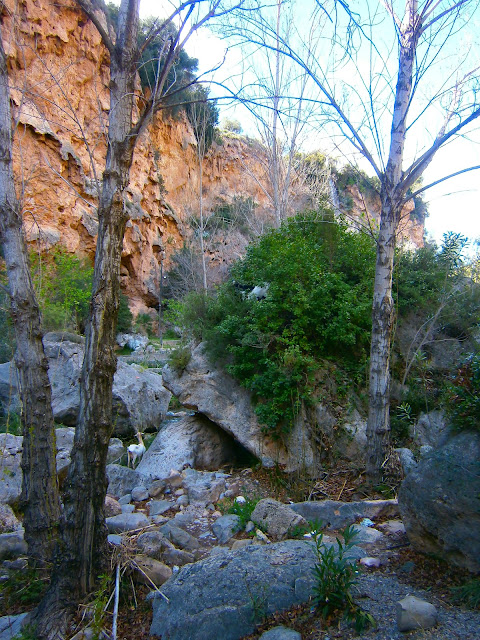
(177, 529)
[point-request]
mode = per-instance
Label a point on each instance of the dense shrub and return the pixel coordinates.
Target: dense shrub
(63, 284)
(318, 306)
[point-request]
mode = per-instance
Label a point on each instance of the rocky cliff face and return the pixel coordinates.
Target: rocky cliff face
(59, 73)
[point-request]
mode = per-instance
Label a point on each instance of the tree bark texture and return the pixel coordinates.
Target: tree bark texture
(83, 555)
(40, 496)
(378, 427)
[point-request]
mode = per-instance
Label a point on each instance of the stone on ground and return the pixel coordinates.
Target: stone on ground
(12, 544)
(226, 527)
(276, 518)
(414, 613)
(126, 522)
(337, 515)
(281, 633)
(121, 480)
(11, 626)
(150, 570)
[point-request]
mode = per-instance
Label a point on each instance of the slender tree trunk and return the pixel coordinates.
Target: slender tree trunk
(378, 428)
(40, 497)
(201, 155)
(84, 536)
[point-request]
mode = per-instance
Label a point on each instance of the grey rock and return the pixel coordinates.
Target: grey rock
(440, 502)
(9, 398)
(393, 527)
(431, 429)
(139, 398)
(202, 486)
(121, 480)
(177, 557)
(11, 448)
(8, 520)
(126, 522)
(230, 591)
(425, 450)
(179, 537)
(158, 507)
(12, 545)
(150, 570)
(153, 544)
(226, 527)
(337, 515)
(216, 395)
(407, 459)
(19, 564)
(414, 613)
(127, 508)
(115, 539)
(183, 501)
(11, 626)
(281, 633)
(366, 535)
(156, 487)
(10, 470)
(275, 518)
(139, 493)
(192, 440)
(112, 507)
(126, 499)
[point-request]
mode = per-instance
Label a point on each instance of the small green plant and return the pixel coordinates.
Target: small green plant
(179, 358)
(335, 576)
(99, 605)
(28, 632)
(144, 324)
(11, 423)
(25, 586)
(468, 594)
(243, 510)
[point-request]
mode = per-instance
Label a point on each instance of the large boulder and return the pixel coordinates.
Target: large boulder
(215, 394)
(337, 515)
(140, 401)
(276, 518)
(190, 440)
(11, 448)
(431, 429)
(232, 591)
(439, 502)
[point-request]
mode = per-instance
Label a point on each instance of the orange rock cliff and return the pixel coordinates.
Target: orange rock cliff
(59, 89)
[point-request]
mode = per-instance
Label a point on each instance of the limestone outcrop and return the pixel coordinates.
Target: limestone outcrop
(218, 396)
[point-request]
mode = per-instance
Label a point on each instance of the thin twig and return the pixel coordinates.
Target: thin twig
(115, 606)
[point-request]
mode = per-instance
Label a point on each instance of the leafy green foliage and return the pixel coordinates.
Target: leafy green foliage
(25, 586)
(179, 358)
(335, 575)
(202, 115)
(63, 284)
(463, 396)
(144, 324)
(468, 594)
(319, 278)
(243, 510)
(125, 317)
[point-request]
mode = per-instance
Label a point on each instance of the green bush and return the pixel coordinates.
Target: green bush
(63, 284)
(468, 594)
(179, 358)
(125, 317)
(243, 510)
(318, 307)
(335, 576)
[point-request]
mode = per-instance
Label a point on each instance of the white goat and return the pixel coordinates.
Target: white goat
(135, 451)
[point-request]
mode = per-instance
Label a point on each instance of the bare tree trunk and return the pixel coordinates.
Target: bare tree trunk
(84, 535)
(202, 218)
(378, 428)
(392, 193)
(40, 497)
